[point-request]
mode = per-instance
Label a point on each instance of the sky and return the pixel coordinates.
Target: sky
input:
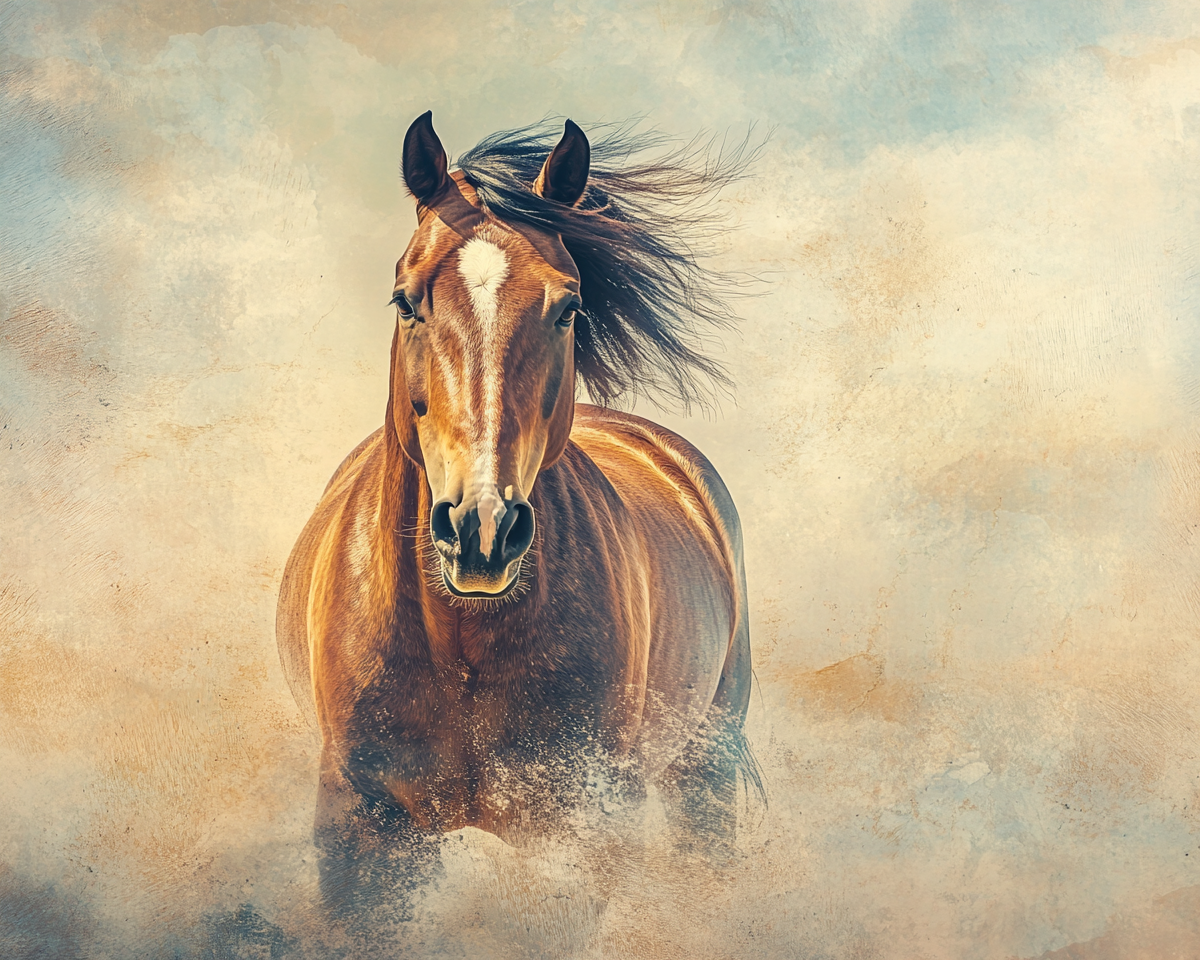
(963, 443)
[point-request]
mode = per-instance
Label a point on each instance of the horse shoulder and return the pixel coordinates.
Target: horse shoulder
(303, 573)
(650, 449)
(700, 650)
(355, 456)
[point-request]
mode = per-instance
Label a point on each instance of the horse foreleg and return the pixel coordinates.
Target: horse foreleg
(371, 855)
(700, 788)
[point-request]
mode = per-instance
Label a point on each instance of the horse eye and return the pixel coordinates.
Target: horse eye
(567, 318)
(403, 307)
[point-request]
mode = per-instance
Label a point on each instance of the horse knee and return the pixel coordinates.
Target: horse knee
(370, 852)
(701, 788)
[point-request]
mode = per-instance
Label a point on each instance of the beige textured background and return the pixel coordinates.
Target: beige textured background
(964, 446)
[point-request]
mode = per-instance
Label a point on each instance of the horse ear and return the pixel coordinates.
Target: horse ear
(424, 162)
(565, 172)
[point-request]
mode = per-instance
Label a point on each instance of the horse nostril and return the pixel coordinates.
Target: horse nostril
(440, 523)
(520, 534)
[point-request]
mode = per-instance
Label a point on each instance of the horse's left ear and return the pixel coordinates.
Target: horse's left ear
(565, 172)
(424, 162)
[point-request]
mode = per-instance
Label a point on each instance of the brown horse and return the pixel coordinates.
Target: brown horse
(501, 591)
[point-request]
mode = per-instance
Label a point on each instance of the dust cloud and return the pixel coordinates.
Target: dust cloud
(963, 444)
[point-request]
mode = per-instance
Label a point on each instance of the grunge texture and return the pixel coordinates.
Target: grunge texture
(964, 444)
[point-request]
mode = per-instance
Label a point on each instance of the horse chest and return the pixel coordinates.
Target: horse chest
(459, 748)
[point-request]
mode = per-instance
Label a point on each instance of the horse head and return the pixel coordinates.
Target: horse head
(483, 373)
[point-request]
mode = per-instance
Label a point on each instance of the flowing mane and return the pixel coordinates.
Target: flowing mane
(637, 235)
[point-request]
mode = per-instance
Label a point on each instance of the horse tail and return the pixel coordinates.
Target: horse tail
(749, 771)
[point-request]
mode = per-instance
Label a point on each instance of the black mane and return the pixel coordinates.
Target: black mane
(636, 236)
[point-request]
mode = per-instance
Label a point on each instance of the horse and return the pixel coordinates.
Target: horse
(503, 591)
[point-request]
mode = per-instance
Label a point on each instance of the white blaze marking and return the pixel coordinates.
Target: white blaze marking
(484, 267)
(491, 511)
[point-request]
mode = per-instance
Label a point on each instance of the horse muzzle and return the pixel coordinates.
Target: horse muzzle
(481, 543)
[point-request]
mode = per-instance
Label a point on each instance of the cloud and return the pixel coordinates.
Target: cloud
(963, 446)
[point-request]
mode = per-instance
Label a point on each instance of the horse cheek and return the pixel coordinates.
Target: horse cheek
(558, 407)
(407, 396)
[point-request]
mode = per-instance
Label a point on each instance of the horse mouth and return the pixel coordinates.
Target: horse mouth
(515, 567)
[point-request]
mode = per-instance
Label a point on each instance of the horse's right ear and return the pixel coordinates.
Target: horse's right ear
(565, 172)
(424, 164)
